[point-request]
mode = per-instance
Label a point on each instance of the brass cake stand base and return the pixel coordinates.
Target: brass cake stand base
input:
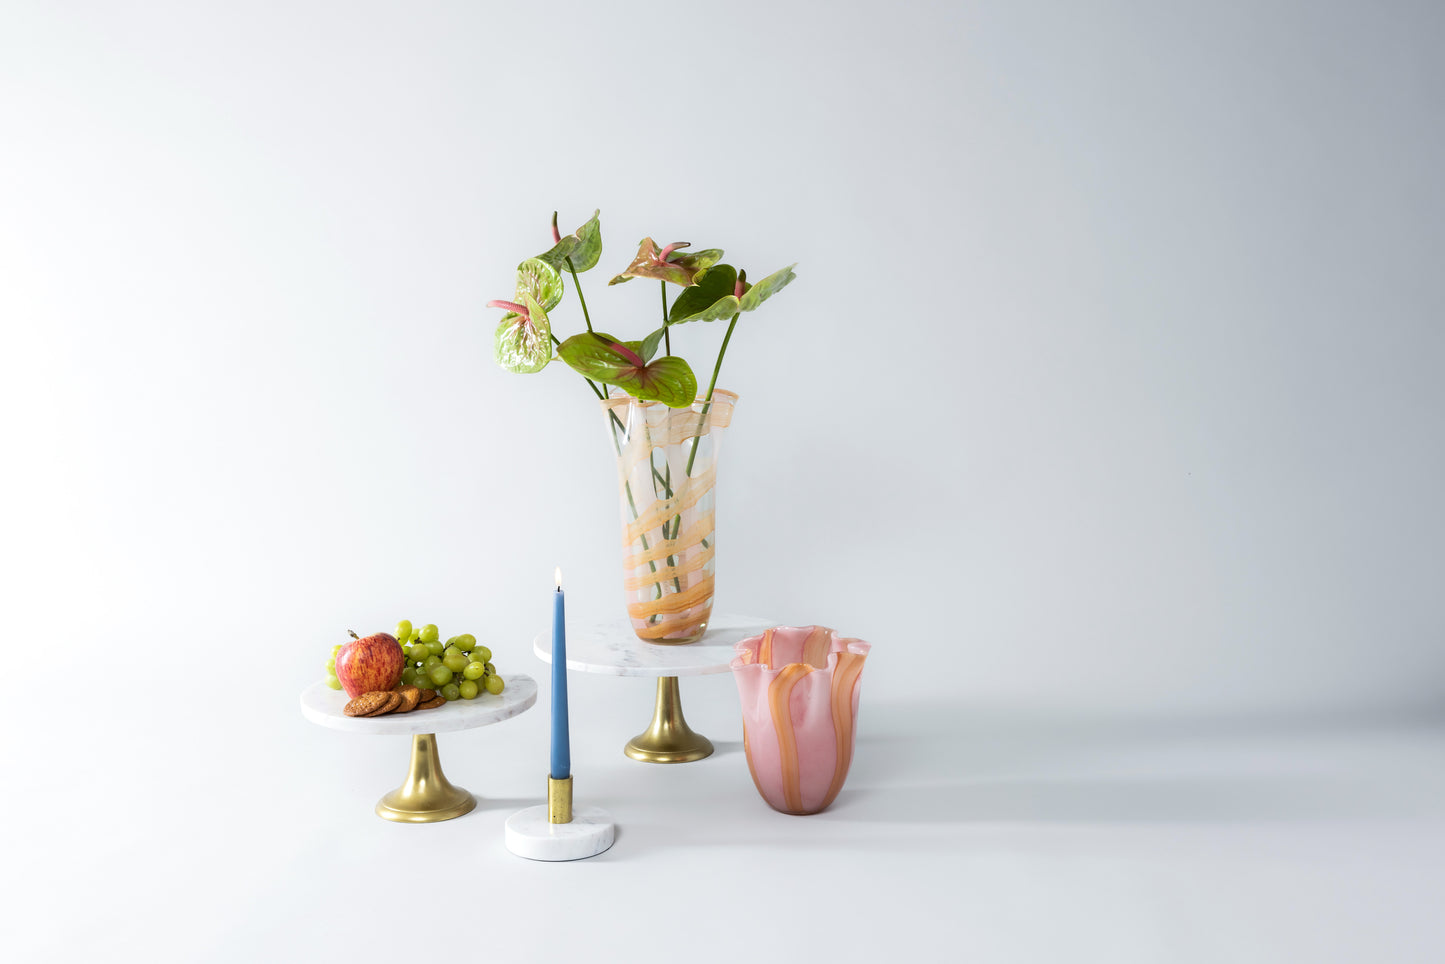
(427, 796)
(669, 739)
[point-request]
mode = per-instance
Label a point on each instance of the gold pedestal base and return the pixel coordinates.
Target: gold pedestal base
(427, 796)
(669, 739)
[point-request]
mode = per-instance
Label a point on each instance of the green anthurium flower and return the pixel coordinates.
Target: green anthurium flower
(605, 359)
(582, 247)
(720, 292)
(523, 342)
(666, 264)
(539, 279)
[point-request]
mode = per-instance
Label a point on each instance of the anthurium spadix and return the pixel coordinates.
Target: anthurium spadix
(669, 263)
(629, 365)
(720, 292)
(523, 342)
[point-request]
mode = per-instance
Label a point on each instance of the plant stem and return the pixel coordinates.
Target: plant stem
(666, 331)
(676, 521)
(702, 416)
(577, 286)
(707, 402)
(627, 486)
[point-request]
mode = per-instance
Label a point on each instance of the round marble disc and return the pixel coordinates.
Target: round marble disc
(613, 649)
(322, 705)
(530, 835)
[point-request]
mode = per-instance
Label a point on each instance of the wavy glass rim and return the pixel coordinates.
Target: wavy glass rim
(624, 400)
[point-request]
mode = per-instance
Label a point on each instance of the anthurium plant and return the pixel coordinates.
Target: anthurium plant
(710, 291)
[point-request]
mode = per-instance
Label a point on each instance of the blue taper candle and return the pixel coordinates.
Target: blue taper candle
(561, 750)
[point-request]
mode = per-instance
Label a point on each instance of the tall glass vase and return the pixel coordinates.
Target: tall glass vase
(667, 476)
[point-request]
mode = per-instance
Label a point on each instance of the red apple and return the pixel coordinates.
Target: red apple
(370, 663)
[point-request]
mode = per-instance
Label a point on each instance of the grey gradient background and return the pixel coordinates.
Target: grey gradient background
(1109, 387)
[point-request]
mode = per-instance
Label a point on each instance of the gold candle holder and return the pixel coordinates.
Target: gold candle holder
(426, 796)
(668, 739)
(559, 800)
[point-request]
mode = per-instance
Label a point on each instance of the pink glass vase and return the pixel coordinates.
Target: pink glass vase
(799, 693)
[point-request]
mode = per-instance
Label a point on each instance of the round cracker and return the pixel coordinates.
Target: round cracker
(410, 697)
(366, 703)
(393, 700)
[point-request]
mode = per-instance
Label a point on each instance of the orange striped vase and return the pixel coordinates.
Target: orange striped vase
(666, 475)
(799, 692)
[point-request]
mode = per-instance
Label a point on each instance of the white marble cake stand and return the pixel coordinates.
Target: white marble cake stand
(613, 649)
(426, 796)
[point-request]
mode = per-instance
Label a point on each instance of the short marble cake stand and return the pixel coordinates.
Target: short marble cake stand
(426, 796)
(613, 649)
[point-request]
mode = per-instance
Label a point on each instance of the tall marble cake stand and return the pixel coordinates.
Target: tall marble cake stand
(426, 796)
(613, 649)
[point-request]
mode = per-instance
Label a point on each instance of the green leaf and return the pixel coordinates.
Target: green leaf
(768, 287)
(583, 246)
(592, 354)
(668, 380)
(589, 245)
(523, 346)
(712, 288)
(539, 279)
(712, 298)
(648, 346)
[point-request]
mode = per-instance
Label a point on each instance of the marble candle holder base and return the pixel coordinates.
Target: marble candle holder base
(531, 835)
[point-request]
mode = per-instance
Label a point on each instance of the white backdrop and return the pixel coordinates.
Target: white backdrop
(1110, 382)
(1110, 377)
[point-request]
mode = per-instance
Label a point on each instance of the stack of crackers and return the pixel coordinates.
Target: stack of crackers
(403, 699)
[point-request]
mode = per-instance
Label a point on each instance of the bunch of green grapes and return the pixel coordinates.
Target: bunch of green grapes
(459, 668)
(331, 679)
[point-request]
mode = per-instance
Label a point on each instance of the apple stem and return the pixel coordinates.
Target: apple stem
(352, 635)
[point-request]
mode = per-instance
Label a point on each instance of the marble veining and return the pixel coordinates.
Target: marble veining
(611, 648)
(323, 706)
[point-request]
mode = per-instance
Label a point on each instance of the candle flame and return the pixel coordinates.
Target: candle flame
(559, 577)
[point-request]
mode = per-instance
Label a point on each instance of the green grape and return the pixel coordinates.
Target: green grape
(451, 691)
(333, 682)
(439, 675)
(451, 641)
(480, 654)
(455, 663)
(494, 685)
(408, 676)
(403, 630)
(435, 647)
(430, 633)
(335, 649)
(474, 671)
(468, 689)
(331, 665)
(431, 661)
(452, 651)
(491, 669)
(465, 640)
(418, 652)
